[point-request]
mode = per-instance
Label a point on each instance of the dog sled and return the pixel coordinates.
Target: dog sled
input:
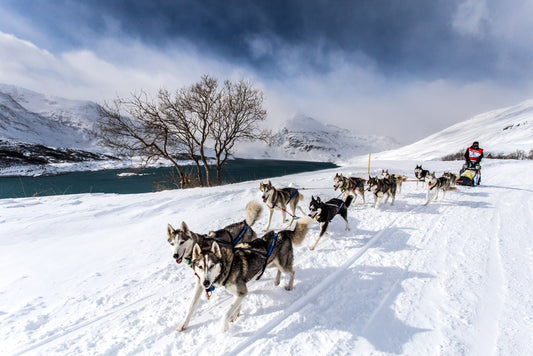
(470, 175)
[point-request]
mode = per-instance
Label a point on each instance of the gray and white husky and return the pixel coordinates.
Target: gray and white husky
(349, 186)
(398, 178)
(246, 262)
(183, 240)
(279, 198)
(434, 184)
(383, 187)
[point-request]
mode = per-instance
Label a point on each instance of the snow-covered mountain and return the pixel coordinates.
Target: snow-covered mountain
(499, 131)
(305, 138)
(30, 117)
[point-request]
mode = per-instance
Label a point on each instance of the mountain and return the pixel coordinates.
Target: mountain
(30, 117)
(305, 138)
(501, 131)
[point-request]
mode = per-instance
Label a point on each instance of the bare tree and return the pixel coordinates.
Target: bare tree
(201, 102)
(181, 127)
(241, 109)
(193, 121)
(136, 127)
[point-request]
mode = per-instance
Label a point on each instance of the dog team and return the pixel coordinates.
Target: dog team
(235, 255)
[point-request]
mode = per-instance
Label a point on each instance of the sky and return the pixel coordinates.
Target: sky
(404, 69)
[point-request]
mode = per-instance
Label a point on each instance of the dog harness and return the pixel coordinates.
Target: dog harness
(274, 239)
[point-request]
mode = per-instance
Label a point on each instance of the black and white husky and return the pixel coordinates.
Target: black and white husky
(349, 186)
(247, 261)
(433, 185)
(420, 174)
(324, 212)
(280, 198)
(383, 187)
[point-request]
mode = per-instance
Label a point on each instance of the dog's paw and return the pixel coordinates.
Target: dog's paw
(225, 327)
(235, 317)
(180, 328)
(287, 287)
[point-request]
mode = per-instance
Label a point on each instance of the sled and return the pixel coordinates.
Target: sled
(470, 176)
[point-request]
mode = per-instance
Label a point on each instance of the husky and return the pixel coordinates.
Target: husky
(452, 177)
(420, 174)
(380, 188)
(247, 261)
(398, 178)
(183, 240)
(323, 213)
(349, 186)
(279, 198)
(435, 184)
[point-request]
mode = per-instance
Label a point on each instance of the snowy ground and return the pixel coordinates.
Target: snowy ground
(93, 274)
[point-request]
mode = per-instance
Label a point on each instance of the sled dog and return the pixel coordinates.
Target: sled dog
(279, 198)
(420, 174)
(349, 186)
(433, 186)
(380, 188)
(183, 240)
(398, 178)
(323, 213)
(248, 261)
(452, 177)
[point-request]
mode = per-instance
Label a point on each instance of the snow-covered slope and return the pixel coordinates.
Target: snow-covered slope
(93, 274)
(305, 138)
(31, 117)
(499, 131)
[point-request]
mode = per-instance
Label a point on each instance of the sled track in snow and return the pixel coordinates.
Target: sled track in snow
(315, 291)
(77, 327)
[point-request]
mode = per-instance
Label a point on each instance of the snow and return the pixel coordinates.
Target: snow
(499, 131)
(93, 273)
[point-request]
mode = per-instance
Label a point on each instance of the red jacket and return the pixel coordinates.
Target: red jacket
(474, 155)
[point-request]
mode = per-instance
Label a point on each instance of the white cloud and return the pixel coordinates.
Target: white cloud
(352, 94)
(470, 17)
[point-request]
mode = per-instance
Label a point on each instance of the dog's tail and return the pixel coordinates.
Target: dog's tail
(253, 211)
(298, 235)
(348, 201)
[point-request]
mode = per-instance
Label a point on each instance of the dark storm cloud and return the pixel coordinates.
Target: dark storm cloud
(400, 38)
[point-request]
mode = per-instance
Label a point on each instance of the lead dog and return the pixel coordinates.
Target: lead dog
(323, 213)
(183, 240)
(382, 188)
(248, 261)
(349, 186)
(279, 198)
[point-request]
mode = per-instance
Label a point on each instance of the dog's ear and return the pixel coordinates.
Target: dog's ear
(216, 250)
(185, 228)
(170, 232)
(318, 199)
(196, 251)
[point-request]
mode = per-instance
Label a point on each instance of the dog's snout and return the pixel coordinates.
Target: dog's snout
(207, 283)
(175, 255)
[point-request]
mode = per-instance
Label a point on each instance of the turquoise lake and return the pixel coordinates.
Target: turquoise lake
(127, 181)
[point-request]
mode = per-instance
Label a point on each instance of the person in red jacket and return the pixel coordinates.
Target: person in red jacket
(473, 155)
